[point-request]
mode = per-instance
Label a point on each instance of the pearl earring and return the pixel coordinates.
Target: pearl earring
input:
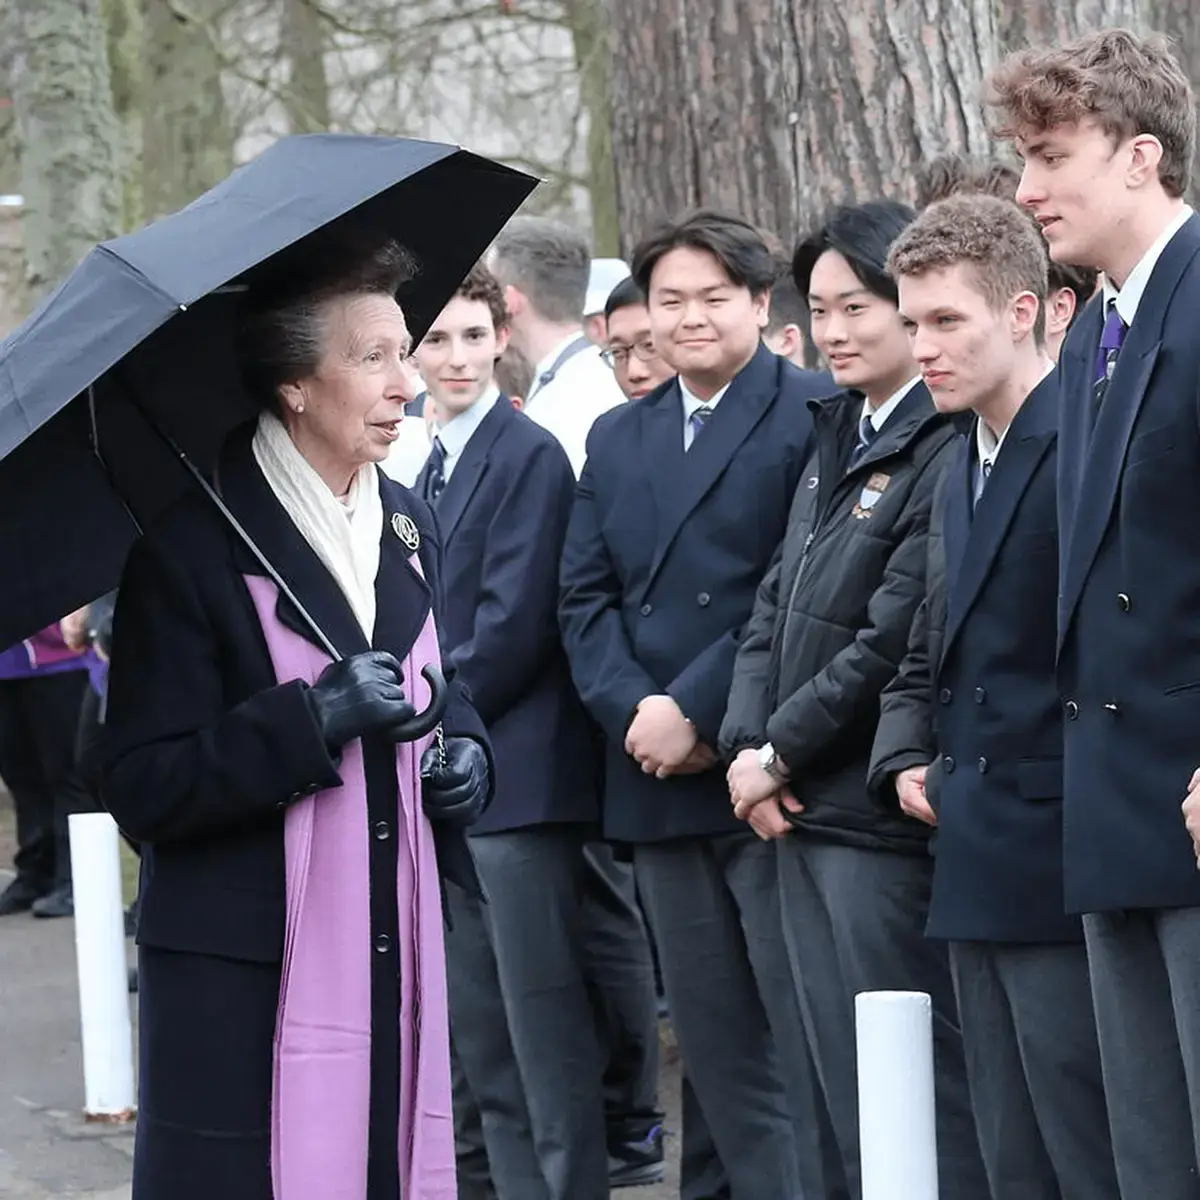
(299, 408)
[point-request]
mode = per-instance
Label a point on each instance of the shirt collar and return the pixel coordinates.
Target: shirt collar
(880, 415)
(987, 444)
(692, 402)
(456, 432)
(1130, 295)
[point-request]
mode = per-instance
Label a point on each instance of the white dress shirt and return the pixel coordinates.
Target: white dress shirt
(880, 415)
(456, 432)
(583, 387)
(691, 403)
(1130, 295)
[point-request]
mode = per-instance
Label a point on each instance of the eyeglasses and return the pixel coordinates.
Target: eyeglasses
(618, 356)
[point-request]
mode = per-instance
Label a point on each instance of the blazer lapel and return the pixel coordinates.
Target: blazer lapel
(956, 525)
(471, 467)
(741, 408)
(402, 596)
(1100, 479)
(249, 497)
(1030, 438)
(662, 444)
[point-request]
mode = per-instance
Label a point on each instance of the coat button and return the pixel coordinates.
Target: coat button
(948, 765)
(646, 609)
(1072, 710)
(704, 599)
(383, 831)
(980, 695)
(1112, 707)
(983, 766)
(946, 696)
(383, 943)
(1124, 601)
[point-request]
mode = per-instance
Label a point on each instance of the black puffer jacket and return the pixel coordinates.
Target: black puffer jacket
(832, 617)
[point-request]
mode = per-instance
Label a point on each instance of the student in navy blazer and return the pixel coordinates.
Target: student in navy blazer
(1128, 618)
(970, 736)
(682, 502)
(522, 1021)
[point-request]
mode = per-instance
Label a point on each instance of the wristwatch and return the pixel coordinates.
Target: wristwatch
(772, 763)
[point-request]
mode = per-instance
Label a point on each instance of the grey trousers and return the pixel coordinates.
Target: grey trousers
(522, 1020)
(854, 921)
(713, 906)
(1145, 970)
(620, 974)
(1033, 1065)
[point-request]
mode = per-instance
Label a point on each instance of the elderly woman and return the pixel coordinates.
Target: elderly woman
(293, 1011)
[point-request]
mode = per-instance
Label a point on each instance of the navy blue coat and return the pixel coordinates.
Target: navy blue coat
(503, 517)
(663, 557)
(1129, 609)
(978, 691)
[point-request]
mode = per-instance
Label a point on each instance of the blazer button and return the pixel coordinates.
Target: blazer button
(1124, 601)
(646, 609)
(704, 599)
(946, 696)
(980, 695)
(948, 765)
(983, 766)
(383, 831)
(1112, 707)
(1072, 710)
(383, 943)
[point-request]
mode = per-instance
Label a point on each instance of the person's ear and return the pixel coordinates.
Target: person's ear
(518, 402)
(1146, 153)
(293, 397)
(1060, 312)
(762, 308)
(514, 301)
(503, 337)
(1024, 315)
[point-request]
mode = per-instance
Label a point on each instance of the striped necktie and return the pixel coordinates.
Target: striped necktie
(435, 472)
(698, 420)
(866, 435)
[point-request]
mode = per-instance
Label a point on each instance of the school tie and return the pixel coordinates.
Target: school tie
(435, 473)
(866, 435)
(1111, 341)
(982, 475)
(697, 421)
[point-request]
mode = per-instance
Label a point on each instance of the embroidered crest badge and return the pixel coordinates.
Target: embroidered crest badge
(405, 528)
(869, 496)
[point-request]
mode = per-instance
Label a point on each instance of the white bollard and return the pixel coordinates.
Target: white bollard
(100, 956)
(897, 1136)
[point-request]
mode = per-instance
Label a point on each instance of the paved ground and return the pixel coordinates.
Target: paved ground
(47, 1152)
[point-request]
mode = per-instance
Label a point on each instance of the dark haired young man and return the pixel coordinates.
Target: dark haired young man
(829, 628)
(680, 506)
(522, 1020)
(1107, 127)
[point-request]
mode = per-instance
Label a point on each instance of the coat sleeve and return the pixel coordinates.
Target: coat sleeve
(515, 633)
(179, 763)
(749, 705)
(610, 680)
(906, 736)
(849, 686)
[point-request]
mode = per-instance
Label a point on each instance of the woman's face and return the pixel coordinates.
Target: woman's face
(348, 411)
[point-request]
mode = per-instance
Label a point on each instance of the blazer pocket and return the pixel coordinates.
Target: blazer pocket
(1040, 779)
(1152, 443)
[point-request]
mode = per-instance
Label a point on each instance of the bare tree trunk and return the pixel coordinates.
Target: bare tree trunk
(123, 24)
(307, 96)
(700, 112)
(1052, 22)
(69, 135)
(591, 34)
(187, 143)
(776, 108)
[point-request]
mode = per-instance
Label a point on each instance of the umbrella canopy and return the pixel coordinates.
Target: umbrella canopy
(138, 342)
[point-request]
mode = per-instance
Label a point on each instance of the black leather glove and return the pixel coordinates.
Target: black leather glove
(456, 793)
(358, 695)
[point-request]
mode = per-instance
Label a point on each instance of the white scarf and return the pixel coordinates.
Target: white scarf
(345, 537)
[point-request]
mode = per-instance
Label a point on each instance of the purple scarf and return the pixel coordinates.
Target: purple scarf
(320, 1106)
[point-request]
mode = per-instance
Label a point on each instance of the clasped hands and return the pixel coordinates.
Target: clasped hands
(759, 798)
(664, 742)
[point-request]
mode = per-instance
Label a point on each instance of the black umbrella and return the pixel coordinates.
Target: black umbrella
(126, 375)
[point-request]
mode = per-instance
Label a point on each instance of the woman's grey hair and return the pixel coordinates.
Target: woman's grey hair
(281, 332)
